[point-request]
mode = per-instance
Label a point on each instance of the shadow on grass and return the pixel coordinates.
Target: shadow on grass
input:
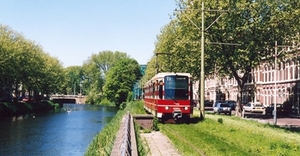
(193, 120)
(287, 128)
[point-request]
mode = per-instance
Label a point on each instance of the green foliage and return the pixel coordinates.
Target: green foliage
(129, 97)
(122, 105)
(155, 124)
(8, 109)
(120, 79)
(106, 102)
(93, 98)
(74, 82)
(24, 62)
(235, 40)
(95, 69)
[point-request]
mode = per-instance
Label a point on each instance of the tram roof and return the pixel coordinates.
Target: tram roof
(171, 74)
(161, 75)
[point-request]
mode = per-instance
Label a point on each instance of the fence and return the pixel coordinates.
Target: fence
(125, 143)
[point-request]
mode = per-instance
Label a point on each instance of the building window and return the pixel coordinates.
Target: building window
(288, 74)
(292, 71)
(282, 71)
(296, 71)
(265, 74)
(269, 74)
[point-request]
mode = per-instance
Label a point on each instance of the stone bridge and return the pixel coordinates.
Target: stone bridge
(76, 99)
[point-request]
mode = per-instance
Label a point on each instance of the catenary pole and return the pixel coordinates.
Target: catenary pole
(202, 114)
(275, 87)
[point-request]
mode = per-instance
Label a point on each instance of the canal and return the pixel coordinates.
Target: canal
(67, 131)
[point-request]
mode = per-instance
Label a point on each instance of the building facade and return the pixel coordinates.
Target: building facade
(265, 83)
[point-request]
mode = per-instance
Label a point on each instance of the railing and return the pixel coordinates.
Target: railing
(125, 143)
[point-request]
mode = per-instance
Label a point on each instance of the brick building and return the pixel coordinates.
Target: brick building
(261, 84)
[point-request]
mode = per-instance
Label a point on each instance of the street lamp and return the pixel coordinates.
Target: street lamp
(275, 83)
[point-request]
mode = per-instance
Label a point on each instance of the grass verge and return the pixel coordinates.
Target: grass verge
(229, 135)
(103, 143)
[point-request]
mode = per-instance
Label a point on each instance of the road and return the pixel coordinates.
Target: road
(284, 121)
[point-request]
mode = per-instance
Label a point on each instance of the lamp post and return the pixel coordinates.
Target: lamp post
(275, 83)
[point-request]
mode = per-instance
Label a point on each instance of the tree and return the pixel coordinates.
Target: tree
(73, 78)
(24, 65)
(95, 69)
(120, 80)
(236, 40)
(104, 60)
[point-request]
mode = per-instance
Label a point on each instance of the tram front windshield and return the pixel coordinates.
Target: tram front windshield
(176, 87)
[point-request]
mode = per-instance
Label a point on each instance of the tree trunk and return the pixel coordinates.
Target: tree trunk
(239, 107)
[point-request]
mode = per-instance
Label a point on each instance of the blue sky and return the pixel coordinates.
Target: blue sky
(73, 30)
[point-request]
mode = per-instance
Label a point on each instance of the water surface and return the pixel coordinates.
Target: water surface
(67, 131)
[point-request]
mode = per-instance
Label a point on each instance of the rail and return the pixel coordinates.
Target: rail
(125, 143)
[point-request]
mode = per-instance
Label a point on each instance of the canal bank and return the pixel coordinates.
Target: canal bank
(54, 133)
(10, 109)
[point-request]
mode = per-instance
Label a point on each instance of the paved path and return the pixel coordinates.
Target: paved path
(159, 144)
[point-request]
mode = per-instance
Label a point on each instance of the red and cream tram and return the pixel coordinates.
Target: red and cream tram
(169, 96)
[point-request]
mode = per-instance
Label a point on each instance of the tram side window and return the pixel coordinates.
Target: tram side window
(153, 90)
(160, 89)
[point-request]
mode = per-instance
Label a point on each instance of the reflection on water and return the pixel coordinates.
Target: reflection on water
(67, 131)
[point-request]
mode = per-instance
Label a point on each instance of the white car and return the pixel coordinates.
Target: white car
(254, 107)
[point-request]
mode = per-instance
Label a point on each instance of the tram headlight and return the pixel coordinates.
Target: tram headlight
(186, 108)
(167, 107)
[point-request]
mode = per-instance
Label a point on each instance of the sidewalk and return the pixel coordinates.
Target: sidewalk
(159, 144)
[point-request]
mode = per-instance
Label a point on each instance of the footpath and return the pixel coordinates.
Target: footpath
(159, 144)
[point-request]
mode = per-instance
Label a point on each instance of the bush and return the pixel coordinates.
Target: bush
(123, 106)
(220, 120)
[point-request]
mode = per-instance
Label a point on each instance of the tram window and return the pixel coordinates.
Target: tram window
(153, 89)
(160, 90)
(176, 87)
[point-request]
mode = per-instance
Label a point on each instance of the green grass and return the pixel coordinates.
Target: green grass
(103, 143)
(233, 136)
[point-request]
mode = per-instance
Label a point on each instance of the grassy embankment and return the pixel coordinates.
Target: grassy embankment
(8, 109)
(104, 141)
(216, 135)
(229, 135)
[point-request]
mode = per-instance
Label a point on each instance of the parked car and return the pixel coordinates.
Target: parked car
(254, 107)
(208, 103)
(279, 109)
(222, 108)
(26, 99)
(231, 103)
